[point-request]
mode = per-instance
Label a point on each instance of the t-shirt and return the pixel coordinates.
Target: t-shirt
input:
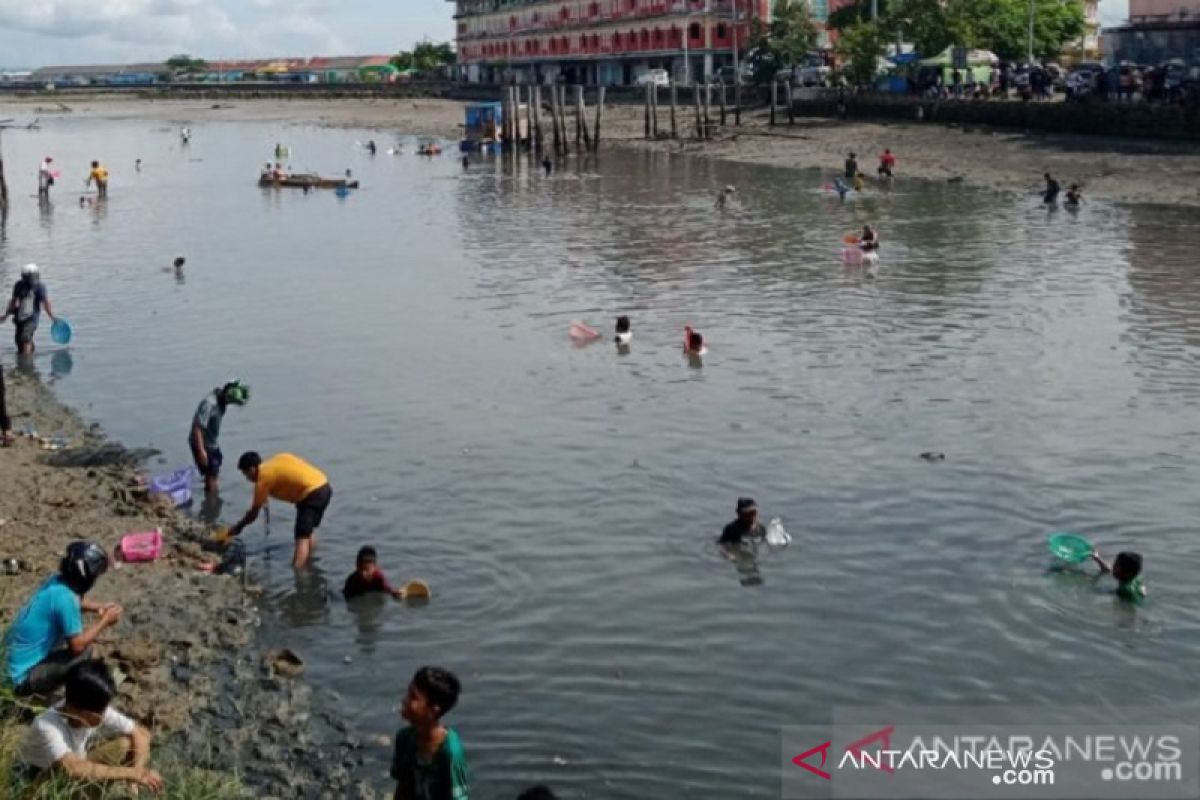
(51, 616)
(1133, 591)
(737, 531)
(208, 416)
(51, 737)
(444, 777)
(888, 160)
(288, 478)
(356, 585)
(29, 297)
(99, 174)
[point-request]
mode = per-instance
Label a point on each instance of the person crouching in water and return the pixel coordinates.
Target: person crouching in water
(869, 241)
(1074, 195)
(624, 333)
(693, 342)
(725, 196)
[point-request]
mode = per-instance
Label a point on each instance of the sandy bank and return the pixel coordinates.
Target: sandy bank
(189, 645)
(1124, 170)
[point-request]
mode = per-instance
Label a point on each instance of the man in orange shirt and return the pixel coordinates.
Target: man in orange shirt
(293, 480)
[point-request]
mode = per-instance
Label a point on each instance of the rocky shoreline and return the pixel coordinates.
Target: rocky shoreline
(192, 657)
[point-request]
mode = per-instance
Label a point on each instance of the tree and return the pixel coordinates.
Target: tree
(185, 64)
(1005, 30)
(860, 47)
(853, 13)
(425, 57)
(784, 42)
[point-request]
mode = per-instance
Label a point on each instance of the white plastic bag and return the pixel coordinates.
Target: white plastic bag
(776, 535)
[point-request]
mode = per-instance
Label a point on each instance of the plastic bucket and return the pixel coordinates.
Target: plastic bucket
(61, 331)
(141, 547)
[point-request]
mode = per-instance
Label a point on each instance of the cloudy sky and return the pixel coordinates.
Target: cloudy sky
(41, 32)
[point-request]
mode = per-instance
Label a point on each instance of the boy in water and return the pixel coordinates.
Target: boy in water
(887, 163)
(746, 526)
(368, 577)
(100, 175)
(693, 342)
(58, 739)
(624, 330)
(429, 762)
(1050, 196)
(1127, 569)
(1074, 195)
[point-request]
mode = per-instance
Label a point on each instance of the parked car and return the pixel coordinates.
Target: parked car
(725, 74)
(653, 77)
(812, 74)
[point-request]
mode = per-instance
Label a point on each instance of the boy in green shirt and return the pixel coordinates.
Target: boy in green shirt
(1127, 569)
(429, 762)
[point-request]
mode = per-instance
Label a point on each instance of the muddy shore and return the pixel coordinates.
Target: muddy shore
(194, 664)
(1123, 170)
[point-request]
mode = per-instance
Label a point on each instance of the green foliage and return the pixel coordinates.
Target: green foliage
(1001, 26)
(859, 48)
(425, 57)
(784, 42)
(185, 64)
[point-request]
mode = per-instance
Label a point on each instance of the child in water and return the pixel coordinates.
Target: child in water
(368, 577)
(869, 240)
(624, 332)
(429, 760)
(724, 196)
(859, 181)
(179, 262)
(693, 342)
(1074, 195)
(1127, 569)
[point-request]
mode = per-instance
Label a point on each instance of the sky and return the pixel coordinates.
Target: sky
(35, 33)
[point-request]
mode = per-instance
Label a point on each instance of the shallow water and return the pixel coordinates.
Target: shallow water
(563, 501)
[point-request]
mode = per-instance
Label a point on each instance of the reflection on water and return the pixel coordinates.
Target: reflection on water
(564, 502)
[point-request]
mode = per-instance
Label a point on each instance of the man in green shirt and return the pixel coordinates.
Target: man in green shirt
(429, 762)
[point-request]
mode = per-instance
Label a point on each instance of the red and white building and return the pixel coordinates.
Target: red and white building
(601, 42)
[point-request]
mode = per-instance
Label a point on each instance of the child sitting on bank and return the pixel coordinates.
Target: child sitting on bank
(1127, 569)
(58, 739)
(429, 762)
(368, 577)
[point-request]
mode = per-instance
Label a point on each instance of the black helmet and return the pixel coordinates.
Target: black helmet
(82, 565)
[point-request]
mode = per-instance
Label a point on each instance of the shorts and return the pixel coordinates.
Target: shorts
(51, 672)
(25, 331)
(215, 459)
(311, 510)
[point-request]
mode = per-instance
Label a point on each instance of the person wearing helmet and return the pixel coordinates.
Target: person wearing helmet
(47, 636)
(206, 429)
(29, 297)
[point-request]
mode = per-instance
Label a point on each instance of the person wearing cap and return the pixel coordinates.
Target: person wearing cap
(746, 526)
(29, 297)
(47, 637)
(293, 480)
(45, 178)
(206, 429)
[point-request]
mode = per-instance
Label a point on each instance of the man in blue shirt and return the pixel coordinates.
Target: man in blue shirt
(29, 297)
(47, 637)
(206, 430)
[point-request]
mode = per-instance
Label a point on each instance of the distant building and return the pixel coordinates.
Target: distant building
(1158, 31)
(607, 42)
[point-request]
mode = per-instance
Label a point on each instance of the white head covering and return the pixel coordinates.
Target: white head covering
(29, 269)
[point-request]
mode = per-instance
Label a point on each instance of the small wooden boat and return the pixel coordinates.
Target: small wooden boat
(308, 182)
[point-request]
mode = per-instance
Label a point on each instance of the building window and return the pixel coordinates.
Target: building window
(694, 30)
(722, 31)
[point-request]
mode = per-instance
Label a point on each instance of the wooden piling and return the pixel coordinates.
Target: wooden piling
(774, 100)
(674, 101)
(599, 114)
(737, 100)
(721, 98)
(536, 111)
(646, 114)
(707, 108)
(581, 117)
(529, 111)
(699, 119)
(554, 118)
(3, 182)
(562, 116)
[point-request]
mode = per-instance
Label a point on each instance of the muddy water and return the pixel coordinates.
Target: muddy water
(563, 502)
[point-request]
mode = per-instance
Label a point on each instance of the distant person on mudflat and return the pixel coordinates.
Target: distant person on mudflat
(47, 637)
(547, 165)
(291, 479)
(1074, 195)
(29, 297)
(851, 167)
(206, 430)
(887, 164)
(45, 178)
(624, 330)
(869, 240)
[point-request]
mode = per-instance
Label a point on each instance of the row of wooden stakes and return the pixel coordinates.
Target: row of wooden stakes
(522, 118)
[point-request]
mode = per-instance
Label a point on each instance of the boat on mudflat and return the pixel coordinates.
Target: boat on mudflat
(308, 181)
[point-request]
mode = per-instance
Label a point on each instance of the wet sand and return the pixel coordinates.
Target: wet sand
(1125, 170)
(188, 646)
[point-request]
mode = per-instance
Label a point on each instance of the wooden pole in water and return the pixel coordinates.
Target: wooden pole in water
(774, 100)
(3, 182)
(646, 114)
(562, 116)
(578, 116)
(699, 120)
(674, 101)
(599, 113)
(581, 117)
(721, 97)
(707, 108)
(554, 117)
(737, 100)
(529, 111)
(536, 111)
(654, 108)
